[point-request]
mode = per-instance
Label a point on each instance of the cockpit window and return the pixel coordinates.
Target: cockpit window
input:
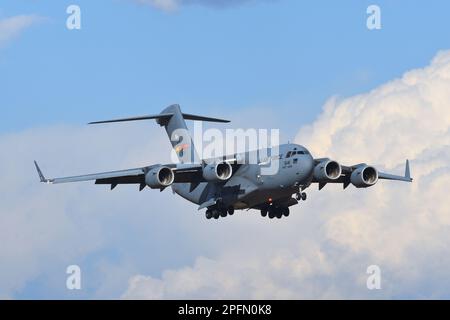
(293, 153)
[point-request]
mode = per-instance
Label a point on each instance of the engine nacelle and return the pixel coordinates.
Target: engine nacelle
(364, 176)
(217, 171)
(160, 177)
(327, 170)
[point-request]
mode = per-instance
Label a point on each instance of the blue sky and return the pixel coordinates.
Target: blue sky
(271, 64)
(135, 59)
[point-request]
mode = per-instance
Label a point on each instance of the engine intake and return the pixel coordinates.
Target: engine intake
(364, 176)
(160, 177)
(217, 171)
(327, 170)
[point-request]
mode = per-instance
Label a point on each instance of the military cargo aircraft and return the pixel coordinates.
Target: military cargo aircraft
(223, 185)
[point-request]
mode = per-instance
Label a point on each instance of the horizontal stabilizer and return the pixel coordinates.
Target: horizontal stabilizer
(163, 117)
(201, 118)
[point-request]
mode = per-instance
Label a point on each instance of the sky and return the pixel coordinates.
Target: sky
(311, 69)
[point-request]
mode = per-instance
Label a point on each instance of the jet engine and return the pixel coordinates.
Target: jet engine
(364, 176)
(327, 170)
(217, 171)
(160, 177)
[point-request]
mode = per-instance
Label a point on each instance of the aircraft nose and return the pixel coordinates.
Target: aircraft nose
(309, 165)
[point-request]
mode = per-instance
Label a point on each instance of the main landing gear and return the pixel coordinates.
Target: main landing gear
(301, 196)
(216, 213)
(275, 212)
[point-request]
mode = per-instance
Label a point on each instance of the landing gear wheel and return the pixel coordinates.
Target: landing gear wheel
(303, 195)
(279, 213)
(263, 212)
(272, 213)
(216, 214)
(298, 196)
(208, 214)
(223, 213)
(286, 212)
(230, 211)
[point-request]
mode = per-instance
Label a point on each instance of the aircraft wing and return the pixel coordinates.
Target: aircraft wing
(184, 173)
(113, 177)
(347, 171)
(406, 177)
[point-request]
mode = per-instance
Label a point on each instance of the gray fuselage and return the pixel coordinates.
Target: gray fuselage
(273, 176)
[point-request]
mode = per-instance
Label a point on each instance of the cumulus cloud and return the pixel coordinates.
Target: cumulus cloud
(111, 235)
(155, 245)
(11, 27)
(323, 249)
(44, 228)
(169, 5)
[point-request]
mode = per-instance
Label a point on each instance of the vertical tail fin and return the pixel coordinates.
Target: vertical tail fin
(178, 134)
(172, 119)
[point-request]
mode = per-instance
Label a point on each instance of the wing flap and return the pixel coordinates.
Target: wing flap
(138, 179)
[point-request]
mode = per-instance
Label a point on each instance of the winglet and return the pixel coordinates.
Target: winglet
(41, 176)
(407, 171)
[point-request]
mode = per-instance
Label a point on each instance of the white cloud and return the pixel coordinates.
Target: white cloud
(44, 228)
(167, 5)
(323, 249)
(11, 27)
(110, 235)
(170, 5)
